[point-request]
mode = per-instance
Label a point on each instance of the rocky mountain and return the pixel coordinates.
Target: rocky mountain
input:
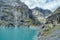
(16, 13)
(55, 16)
(12, 12)
(51, 29)
(40, 14)
(43, 12)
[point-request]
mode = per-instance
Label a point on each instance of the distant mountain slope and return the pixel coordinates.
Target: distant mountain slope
(45, 12)
(55, 16)
(40, 14)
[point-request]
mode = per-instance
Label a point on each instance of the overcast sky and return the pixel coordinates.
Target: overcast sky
(44, 4)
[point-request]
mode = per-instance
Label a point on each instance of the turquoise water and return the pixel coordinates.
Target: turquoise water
(22, 33)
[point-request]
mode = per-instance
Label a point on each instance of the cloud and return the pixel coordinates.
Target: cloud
(45, 4)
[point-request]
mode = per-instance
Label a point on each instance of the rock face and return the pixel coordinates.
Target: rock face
(12, 11)
(55, 16)
(40, 14)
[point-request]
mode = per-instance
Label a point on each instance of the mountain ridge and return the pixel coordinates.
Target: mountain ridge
(16, 11)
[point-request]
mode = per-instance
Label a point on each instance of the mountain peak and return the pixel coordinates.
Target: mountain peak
(45, 12)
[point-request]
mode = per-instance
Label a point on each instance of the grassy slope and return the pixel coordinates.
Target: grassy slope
(46, 33)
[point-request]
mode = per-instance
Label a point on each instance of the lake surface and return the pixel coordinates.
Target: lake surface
(22, 33)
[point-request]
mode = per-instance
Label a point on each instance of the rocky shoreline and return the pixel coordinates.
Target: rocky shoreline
(49, 33)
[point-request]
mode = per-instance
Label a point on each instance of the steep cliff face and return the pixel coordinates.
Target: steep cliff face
(12, 11)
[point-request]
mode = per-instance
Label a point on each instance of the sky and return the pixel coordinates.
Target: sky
(44, 4)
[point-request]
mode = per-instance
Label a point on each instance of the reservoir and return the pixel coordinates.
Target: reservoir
(21, 33)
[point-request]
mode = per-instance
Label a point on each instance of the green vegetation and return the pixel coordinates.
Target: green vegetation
(48, 32)
(3, 23)
(31, 22)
